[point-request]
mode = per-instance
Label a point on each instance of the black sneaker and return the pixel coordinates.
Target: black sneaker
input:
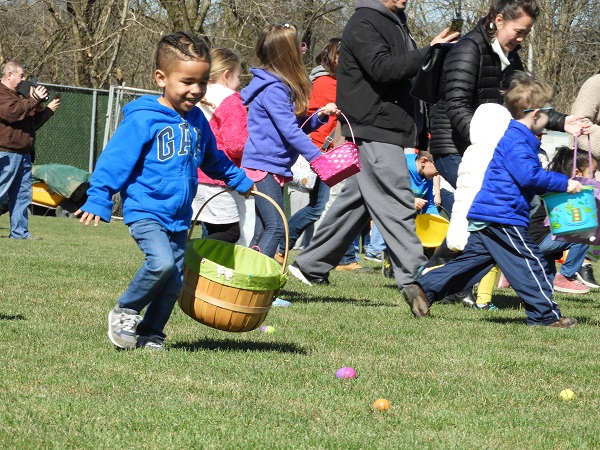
(465, 298)
(586, 276)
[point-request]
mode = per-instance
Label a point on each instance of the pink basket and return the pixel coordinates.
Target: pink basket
(339, 163)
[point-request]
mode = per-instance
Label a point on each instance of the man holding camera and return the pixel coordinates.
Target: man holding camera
(20, 116)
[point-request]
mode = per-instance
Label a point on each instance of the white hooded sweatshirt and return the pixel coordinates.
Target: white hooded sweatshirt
(488, 125)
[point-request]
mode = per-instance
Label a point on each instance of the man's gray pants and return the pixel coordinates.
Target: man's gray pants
(381, 191)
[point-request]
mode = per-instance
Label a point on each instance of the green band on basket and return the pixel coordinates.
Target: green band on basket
(233, 265)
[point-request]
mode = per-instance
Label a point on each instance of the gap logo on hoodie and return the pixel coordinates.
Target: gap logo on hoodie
(165, 142)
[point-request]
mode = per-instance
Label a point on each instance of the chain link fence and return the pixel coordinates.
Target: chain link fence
(79, 130)
(74, 135)
(81, 127)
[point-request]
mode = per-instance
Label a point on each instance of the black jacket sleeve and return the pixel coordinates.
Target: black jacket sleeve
(462, 70)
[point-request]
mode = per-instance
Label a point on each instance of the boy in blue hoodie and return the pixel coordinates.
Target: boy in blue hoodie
(152, 160)
(499, 216)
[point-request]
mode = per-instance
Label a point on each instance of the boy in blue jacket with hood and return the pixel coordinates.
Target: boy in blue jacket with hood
(499, 216)
(152, 160)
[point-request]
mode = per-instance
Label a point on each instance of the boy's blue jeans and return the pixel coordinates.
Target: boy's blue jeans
(157, 283)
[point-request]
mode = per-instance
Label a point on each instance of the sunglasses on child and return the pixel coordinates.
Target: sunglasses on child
(546, 110)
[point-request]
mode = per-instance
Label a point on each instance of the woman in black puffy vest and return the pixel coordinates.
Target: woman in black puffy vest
(477, 70)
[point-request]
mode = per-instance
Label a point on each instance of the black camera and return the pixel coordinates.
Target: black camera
(26, 85)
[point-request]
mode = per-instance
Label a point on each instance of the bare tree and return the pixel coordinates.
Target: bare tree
(95, 33)
(95, 43)
(186, 15)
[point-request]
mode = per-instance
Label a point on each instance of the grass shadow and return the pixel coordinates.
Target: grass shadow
(237, 346)
(586, 301)
(12, 317)
(506, 301)
(299, 297)
(506, 320)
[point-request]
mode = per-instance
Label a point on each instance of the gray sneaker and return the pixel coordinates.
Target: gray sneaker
(122, 324)
(151, 342)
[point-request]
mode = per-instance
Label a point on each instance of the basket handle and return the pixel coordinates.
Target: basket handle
(341, 113)
(266, 197)
(575, 148)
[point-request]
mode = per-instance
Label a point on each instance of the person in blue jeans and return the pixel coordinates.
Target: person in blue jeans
(152, 160)
(422, 172)
(323, 82)
(277, 99)
(566, 278)
(21, 114)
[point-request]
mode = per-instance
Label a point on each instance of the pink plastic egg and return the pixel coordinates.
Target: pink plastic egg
(346, 372)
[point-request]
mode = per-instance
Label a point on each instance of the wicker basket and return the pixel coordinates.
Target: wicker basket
(227, 286)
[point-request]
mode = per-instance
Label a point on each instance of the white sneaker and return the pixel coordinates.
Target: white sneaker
(122, 325)
(298, 274)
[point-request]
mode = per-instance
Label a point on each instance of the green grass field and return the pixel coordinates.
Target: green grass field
(463, 379)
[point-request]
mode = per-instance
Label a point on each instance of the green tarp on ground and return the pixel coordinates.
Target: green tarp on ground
(68, 181)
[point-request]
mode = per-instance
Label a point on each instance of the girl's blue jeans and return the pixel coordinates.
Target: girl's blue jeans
(574, 259)
(305, 217)
(157, 283)
(269, 229)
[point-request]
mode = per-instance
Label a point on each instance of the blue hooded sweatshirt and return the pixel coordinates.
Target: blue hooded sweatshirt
(275, 138)
(512, 178)
(152, 160)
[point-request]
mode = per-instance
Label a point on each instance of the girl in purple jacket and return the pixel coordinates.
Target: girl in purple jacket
(277, 100)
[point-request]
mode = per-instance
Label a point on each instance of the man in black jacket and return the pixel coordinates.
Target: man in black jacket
(378, 58)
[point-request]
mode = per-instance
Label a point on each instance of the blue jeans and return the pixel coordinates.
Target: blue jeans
(574, 259)
(305, 217)
(447, 166)
(268, 229)
(15, 182)
(350, 256)
(157, 283)
(376, 243)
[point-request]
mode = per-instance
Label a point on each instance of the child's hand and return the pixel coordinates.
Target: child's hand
(87, 218)
(330, 109)
(420, 203)
(437, 199)
(573, 187)
(250, 191)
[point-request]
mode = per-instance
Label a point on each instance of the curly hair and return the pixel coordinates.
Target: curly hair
(562, 162)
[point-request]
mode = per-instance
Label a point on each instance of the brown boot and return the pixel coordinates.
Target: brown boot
(354, 267)
(278, 257)
(417, 300)
(564, 322)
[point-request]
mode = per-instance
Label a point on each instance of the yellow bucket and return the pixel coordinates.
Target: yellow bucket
(431, 229)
